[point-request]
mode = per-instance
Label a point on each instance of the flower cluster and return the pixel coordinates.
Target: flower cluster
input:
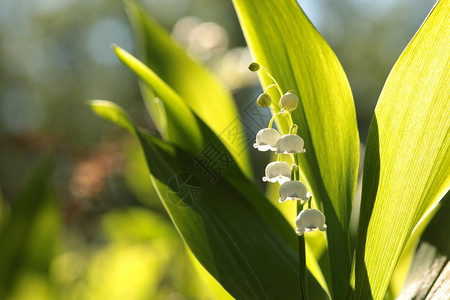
(288, 176)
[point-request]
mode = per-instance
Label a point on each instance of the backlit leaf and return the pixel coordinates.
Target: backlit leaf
(200, 90)
(228, 224)
(29, 236)
(430, 270)
(407, 160)
(282, 39)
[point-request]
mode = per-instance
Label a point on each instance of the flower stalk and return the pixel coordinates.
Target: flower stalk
(302, 260)
(288, 176)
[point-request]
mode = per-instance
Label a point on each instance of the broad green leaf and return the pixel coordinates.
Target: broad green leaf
(407, 159)
(185, 128)
(231, 228)
(182, 126)
(283, 40)
(428, 277)
(201, 91)
(29, 236)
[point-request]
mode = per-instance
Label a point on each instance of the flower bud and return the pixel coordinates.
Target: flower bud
(264, 100)
(288, 101)
(253, 67)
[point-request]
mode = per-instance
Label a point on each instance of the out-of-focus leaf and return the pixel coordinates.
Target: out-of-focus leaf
(430, 270)
(226, 222)
(183, 128)
(136, 225)
(29, 236)
(282, 39)
(136, 176)
(112, 112)
(200, 90)
(407, 159)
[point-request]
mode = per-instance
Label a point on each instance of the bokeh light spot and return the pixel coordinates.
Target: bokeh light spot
(102, 35)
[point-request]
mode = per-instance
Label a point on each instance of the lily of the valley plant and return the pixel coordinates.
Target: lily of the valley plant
(243, 240)
(279, 171)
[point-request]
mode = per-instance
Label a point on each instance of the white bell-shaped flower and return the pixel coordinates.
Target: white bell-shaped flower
(310, 220)
(288, 101)
(278, 171)
(289, 144)
(266, 139)
(293, 190)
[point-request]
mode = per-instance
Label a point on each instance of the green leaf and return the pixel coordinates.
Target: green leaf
(407, 159)
(29, 234)
(282, 39)
(112, 112)
(185, 129)
(404, 263)
(214, 289)
(182, 126)
(431, 258)
(200, 90)
(227, 222)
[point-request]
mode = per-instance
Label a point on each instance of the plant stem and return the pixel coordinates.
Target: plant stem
(302, 261)
(290, 120)
(281, 113)
(274, 85)
(296, 161)
(272, 78)
(294, 169)
(302, 267)
(293, 129)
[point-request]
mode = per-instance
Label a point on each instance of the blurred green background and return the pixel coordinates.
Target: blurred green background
(78, 216)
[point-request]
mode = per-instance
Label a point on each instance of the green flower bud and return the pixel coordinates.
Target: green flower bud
(288, 101)
(253, 67)
(264, 100)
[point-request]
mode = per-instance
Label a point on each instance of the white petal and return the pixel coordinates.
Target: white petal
(266, 139)
(293, 190)
(310, 220)
(290, 143)
(278, 171)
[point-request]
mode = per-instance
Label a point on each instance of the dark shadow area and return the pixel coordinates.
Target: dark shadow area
(435, 234)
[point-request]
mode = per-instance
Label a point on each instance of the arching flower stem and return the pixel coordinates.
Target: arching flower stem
(273, 85)
(285, 114)
(290, 122)
(264, 70)
(293, 129)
